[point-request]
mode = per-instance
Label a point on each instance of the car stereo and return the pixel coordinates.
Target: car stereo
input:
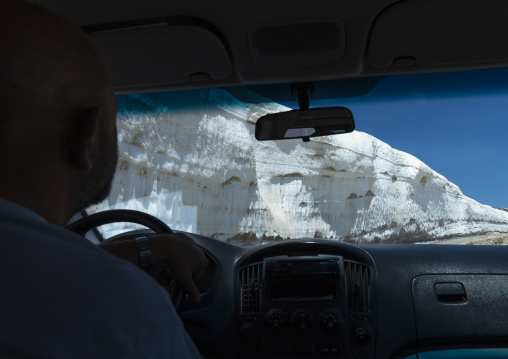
(299, 279)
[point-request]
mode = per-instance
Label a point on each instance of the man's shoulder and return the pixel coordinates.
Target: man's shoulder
(67, 257)
(58, 277)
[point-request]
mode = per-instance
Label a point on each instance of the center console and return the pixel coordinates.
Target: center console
(296, 307)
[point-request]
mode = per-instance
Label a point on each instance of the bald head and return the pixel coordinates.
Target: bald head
(46, 61)
(57, 108)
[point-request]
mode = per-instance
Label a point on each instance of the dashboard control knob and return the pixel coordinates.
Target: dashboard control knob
(362, 336)
(330, 320)
(275, 320)
(302, 319)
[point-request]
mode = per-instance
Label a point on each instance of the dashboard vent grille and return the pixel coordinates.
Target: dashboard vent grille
(358, 287)
(250, 288)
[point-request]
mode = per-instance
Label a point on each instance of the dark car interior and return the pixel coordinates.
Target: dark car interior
(314, 298)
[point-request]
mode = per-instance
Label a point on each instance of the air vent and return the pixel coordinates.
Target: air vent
(250, 288)
(358, 287)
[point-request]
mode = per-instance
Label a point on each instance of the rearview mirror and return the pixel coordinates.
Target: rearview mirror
(305, 123)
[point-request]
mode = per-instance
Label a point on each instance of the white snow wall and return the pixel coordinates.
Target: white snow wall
(204, 172)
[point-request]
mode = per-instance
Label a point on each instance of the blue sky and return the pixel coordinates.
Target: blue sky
(456, 123)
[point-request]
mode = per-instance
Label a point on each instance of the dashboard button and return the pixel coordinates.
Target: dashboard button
(330, 349)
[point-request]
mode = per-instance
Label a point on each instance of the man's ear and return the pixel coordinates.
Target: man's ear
(84, 138)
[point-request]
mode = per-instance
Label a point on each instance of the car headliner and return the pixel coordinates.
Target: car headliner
(233, 42)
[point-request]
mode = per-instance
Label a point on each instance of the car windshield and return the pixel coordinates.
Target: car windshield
(425, 163)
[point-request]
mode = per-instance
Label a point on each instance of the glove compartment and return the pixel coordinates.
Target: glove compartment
(461, 309)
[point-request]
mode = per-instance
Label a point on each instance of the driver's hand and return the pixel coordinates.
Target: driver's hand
(183, 256)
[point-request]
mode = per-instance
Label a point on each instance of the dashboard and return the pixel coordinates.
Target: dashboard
(327, 299)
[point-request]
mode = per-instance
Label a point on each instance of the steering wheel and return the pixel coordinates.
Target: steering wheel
(160, 271)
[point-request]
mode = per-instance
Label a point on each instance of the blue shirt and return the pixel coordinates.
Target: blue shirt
(62, 297)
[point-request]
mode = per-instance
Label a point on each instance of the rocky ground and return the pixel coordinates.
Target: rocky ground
(494, 238)
(500, 239)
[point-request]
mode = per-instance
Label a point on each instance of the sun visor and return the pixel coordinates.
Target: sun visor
(158, 55)
(433, 32)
